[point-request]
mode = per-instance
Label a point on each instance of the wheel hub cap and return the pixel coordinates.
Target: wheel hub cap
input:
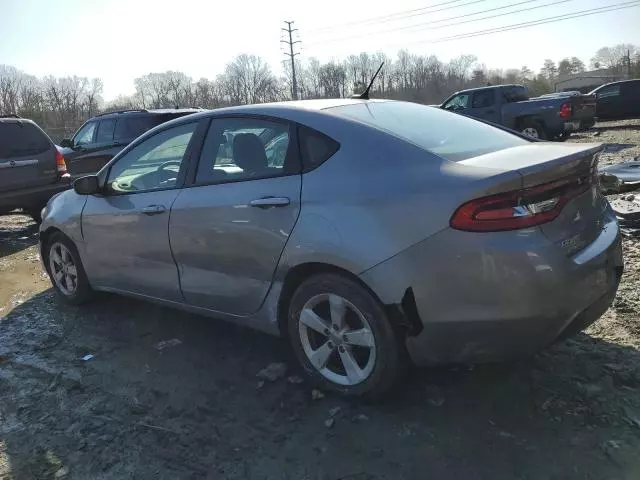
(337, 339)
(62, 267)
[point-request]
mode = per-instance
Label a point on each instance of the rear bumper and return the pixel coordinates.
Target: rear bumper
(32, 197)
(489, 297)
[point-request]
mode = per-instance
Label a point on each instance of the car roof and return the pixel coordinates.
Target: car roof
(619, 82)
(275, 109)
(507, 85)
(144, 112)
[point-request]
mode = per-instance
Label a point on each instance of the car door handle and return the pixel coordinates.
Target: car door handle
(153, 209)
(268, 202)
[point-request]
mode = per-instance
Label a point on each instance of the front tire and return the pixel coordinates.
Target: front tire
(342, 337)
(65, 270)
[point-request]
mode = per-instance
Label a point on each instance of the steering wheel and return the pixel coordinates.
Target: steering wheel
(168, 164)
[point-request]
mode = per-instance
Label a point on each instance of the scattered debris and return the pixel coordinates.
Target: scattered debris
(504, 434)
(334, 411)
(329, 422)
(54, 382)
(295, 379)
(273, 372)
(620, 177)
(87, 357)
(627, 210)
(591, 389)
(436, 402)
(632, 418)
(61, 472)
(156, 427)
(361, 417)
(167, 343)
(316, 394)
(260, 385)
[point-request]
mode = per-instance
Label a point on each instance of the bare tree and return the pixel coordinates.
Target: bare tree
(613, 57)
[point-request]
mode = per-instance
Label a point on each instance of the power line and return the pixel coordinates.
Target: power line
(542, 21)
(452, 18)
(291, 43)
(400, 15)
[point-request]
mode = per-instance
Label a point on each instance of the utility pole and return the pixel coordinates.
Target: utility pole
(291, 55)
(628, 64)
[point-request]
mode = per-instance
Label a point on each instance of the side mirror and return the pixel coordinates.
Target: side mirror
(88, 185)
(66, 143)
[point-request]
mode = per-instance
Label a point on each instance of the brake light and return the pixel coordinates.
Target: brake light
(566, 110)
(60, 163)
(519, 208)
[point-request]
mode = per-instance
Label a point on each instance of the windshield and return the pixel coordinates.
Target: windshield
(449, 135)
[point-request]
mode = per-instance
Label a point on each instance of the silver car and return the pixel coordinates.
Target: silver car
(387, 232)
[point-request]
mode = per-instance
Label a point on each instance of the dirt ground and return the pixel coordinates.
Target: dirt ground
(194, 408)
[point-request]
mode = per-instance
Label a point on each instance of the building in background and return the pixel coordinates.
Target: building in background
(586, 81)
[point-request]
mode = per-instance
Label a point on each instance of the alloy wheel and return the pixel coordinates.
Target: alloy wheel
(531, 132)
(337, 339)
(64, 271)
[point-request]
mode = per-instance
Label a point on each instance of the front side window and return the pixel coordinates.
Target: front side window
(105, 131)
(459, 102)
(484, 98)
(85, 134)
(244, 149)
(154, 164)
(610, 91)
(454, 137)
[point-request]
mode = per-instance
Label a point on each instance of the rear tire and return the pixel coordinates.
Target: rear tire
(533, 129)
(343, 338)
(65, 270)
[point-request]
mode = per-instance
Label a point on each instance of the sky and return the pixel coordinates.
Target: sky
(119, 40)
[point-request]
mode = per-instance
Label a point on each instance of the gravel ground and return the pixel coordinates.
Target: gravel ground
(169, 395)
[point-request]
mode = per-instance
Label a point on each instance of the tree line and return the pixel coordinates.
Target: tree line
(60, 105)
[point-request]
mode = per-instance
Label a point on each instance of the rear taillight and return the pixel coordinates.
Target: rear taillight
(520, 208)
(566, 110)
(60, 163)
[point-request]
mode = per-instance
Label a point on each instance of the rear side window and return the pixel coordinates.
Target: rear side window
(105, 131)
(515, 94)
(449, 135)
(128, 128)
(22, 138)
(483, 99)
(315, 147)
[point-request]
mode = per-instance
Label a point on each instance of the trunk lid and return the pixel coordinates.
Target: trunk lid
(580, 221)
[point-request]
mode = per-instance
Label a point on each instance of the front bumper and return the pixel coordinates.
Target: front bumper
(491, 297)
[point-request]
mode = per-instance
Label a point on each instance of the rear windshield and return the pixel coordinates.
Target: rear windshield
(18, 139)
(449, 135)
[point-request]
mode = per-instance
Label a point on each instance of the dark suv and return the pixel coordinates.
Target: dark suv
(103, 136)
(32, 169)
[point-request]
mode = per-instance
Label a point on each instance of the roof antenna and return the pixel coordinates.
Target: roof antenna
(365, 95)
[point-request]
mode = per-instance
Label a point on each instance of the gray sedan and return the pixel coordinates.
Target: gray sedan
(376, 233)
